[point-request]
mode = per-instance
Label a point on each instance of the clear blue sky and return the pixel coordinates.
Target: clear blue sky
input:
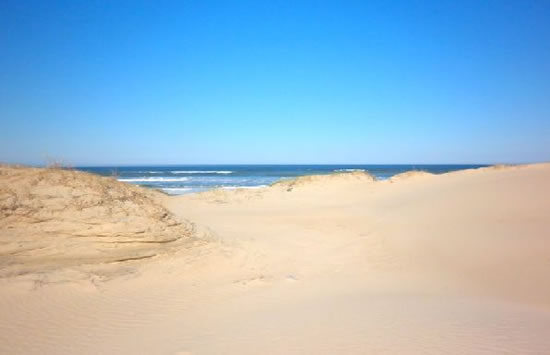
(158, 82)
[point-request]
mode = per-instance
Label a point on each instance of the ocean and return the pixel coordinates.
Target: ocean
(184, 179)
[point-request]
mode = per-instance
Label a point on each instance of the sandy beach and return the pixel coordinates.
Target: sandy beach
(456, 263)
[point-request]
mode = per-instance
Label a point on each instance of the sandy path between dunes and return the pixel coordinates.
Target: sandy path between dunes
(422, 264)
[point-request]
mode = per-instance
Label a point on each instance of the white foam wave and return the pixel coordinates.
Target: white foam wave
(177, 190)
(154, 179)
(348, 170)
(201, 172)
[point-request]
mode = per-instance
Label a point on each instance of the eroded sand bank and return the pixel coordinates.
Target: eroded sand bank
(420, 264)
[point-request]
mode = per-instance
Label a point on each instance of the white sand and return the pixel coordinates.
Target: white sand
(422, 264)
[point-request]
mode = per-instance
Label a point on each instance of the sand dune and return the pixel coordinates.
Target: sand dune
(312, 180)
(52, 219)
(418, 264)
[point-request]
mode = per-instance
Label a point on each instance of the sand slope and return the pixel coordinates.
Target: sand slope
(419, 264)
(54, 218)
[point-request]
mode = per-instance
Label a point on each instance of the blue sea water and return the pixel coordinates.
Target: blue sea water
(183, 179)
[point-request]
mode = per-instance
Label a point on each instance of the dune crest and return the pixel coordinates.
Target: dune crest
(413, 174)
(311, 180)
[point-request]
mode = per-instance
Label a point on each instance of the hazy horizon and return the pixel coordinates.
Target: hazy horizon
(115, 165)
